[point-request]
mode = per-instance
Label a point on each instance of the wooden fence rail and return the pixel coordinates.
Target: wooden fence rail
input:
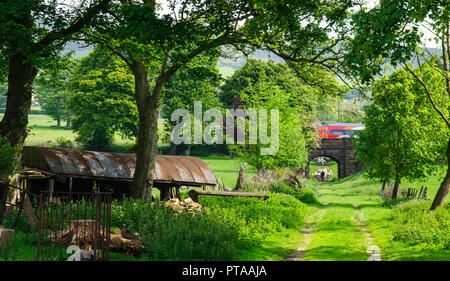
(195, 193)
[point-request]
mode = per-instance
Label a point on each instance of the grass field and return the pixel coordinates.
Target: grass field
(43, 131)
(227, 169)
(356, 200)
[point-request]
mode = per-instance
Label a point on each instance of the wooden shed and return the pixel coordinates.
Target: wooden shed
(78, 170)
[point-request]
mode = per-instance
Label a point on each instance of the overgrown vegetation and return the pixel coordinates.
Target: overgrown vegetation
(415, 224)
(305, 195)
(225, 226)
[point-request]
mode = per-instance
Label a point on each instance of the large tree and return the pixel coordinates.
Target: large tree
(402, 137)
(102, 101)
(52, 88)
(32, 33)
(268, 85)
(280, 74)
(197, 81)
(393, 31)
(156, 43)
(290, 144)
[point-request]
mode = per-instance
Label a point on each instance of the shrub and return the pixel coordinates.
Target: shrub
(305, 194)
(129, 213)
(224, 226)
(417, 225)
(278, 212)
(185, 236)
(177, 236)
(64, 142)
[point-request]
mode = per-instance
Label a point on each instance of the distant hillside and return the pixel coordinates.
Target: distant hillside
(79, 49)
(227, 66)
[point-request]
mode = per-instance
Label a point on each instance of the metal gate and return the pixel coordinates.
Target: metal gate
(73, 226)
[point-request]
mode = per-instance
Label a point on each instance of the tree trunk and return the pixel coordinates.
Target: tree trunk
(147, 141)
(240, 179)
(20, 80)
(68, 121)
(442, 193)
(4, 188)
(14, 123)
(396, 185)
(383, 186)
(58, 122)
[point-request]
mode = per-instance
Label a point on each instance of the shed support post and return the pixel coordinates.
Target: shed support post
(51, 186)
(69, 184)
(164, 194)
(178, 192)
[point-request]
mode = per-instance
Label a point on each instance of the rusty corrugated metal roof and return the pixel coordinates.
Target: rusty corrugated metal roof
(184, 170)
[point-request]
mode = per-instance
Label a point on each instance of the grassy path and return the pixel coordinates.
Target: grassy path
(354, 225)
(308, 233)
(336, 236)
(339, 232)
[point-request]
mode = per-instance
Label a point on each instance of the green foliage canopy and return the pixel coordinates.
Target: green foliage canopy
(102, 102)
(198, 80)
(269, 85)
(403, 137)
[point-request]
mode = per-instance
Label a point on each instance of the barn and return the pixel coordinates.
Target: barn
(85, 171)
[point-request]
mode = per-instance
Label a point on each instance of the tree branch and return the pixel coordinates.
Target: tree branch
(76, 26)
(429, 95)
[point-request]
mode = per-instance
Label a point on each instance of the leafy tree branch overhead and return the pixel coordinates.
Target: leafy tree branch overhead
(155, 43)
(390, 32)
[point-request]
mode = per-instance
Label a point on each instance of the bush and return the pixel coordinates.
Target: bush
(305, 194)
(225, 225)
(129, 213)
(64, 142)
(176, 236)
(186, 236)
(417, 225)
(257, 217)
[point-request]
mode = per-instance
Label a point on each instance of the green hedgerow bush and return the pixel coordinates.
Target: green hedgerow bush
(185, 236)
(256, 217)
(129, 213)
(305, 194)
(225, 225)
(417, 225)
(168, 235)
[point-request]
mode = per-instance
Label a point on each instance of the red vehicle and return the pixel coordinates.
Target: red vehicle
(338, 130)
